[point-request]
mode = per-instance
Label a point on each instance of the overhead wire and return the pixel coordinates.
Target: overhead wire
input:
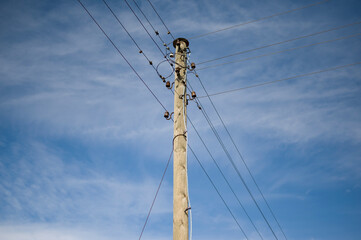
(281, 51)
(224, 177)
(257, 20)
(144, 28)
(281, 42)
(109, 39)
(156, 195)
(235, 168)
(281, 80)
(125, 29)
(161, 19)
(249, 172)
(151, 25)
(121, 54)
(215, 188)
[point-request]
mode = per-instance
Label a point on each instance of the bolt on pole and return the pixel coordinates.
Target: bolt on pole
(180, 177)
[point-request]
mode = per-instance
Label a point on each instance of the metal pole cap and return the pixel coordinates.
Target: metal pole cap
(179, 40)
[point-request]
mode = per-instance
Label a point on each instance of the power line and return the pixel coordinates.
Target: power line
(224, 177)
(156, 195)
(125, 29)
(235, 167)
(281, 51)
(155, 31)
(280, 80)
(169, 32)
(144, 27)
(140, 50)
(125, 59)
(244, 162)
(258, 19)
(219, 194)
(278, 43)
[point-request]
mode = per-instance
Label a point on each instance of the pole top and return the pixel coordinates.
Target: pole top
(178, 40)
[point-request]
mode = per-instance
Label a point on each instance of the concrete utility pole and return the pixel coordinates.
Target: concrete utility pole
(180, 185)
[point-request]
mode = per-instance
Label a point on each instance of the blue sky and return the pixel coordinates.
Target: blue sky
(84, 144)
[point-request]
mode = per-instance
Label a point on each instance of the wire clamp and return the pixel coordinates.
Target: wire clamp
(182, 134)
(187, 209)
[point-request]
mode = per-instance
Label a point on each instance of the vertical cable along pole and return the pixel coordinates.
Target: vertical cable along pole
(180, 186)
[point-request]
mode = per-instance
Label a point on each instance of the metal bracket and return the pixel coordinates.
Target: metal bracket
(167, 115)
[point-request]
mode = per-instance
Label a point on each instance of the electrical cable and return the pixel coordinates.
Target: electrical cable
(140, 50)
(125, 29)
(224, 177)
(278, 43)
(144, 28)
(258, 19)
(186, 150)
(215, 188)
(217, 135)
(169, 32)
(125, 59)
(283, 79)
(235, 167)
(156, 195)
(228, 155)
(281, 51)
(155, 31)
(215, 162)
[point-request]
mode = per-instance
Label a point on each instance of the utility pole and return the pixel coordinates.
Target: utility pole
(180, 178)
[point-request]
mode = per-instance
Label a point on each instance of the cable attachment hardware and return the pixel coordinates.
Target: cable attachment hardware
(182, 134)
(187, 209)
(140, 51)
(167, 116)
(156, 33)
(150, 62)
(177, 70)
(163, 78)
(193, 66)
(171, 55)
(168, 85)
(199, 107)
